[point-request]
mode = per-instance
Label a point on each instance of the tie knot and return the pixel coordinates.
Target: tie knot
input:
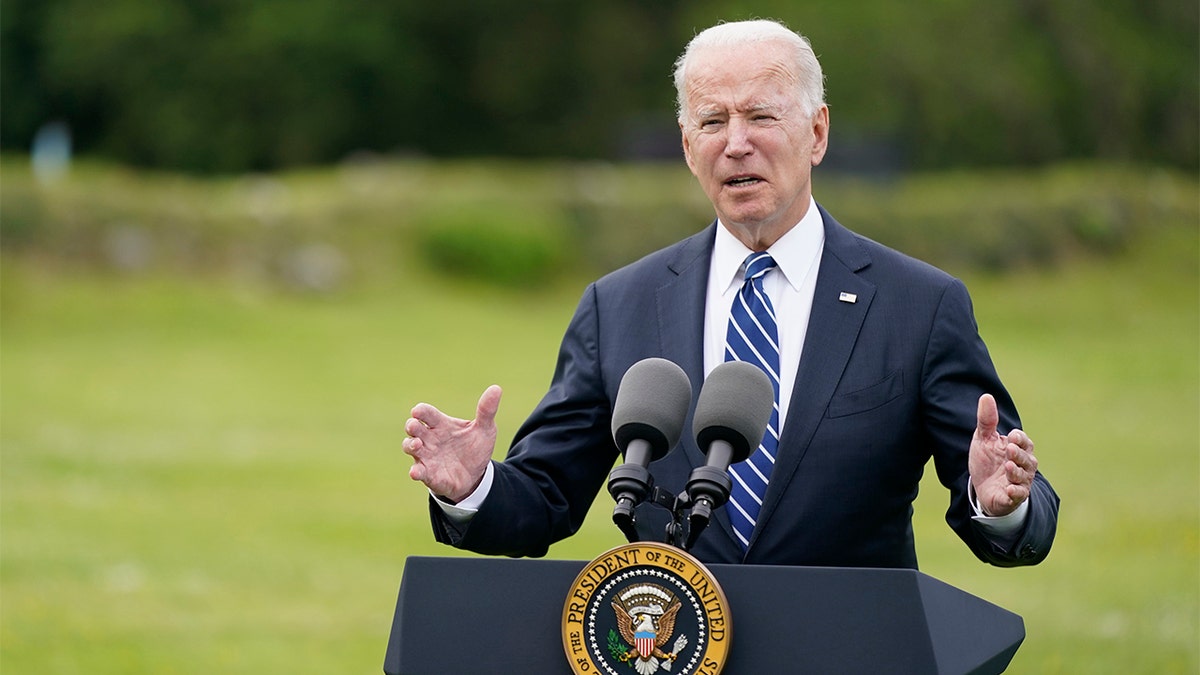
(758, 264)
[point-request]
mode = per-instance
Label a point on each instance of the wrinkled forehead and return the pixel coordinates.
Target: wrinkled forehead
(742, 78)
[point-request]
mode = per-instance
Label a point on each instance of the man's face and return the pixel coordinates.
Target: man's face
(748, 142)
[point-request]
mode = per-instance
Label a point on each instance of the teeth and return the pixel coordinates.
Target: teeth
(742, 181)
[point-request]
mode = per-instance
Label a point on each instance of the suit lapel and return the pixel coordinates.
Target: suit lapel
(833, 330)
(680, 304)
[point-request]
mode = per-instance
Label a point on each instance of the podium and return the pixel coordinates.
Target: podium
(496, 615)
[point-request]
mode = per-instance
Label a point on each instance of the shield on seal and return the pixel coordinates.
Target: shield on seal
(643, 641)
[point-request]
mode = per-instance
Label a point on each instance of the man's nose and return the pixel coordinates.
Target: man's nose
(738, 141)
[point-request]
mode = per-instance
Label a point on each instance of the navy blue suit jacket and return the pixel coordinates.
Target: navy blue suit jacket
(885, 383)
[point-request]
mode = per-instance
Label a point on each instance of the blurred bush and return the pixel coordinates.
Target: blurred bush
(494, 245)
(231, 85)
(1004, 220)
(529, 223)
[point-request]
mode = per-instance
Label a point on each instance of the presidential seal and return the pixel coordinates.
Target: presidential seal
(646, 609)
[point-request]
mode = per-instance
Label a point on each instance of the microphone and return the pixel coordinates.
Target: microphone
(731, 417)
(647, 420)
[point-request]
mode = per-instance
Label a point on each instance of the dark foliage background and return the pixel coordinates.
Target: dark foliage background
(235, 85)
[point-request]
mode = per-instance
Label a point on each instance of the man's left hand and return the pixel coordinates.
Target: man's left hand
(1001, 467)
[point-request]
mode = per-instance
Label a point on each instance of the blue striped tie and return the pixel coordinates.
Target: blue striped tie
(753, 337)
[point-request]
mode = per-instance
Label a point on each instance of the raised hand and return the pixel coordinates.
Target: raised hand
(450, 454)
(1001, 467)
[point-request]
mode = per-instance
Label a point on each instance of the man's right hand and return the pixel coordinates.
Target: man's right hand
(450, 455)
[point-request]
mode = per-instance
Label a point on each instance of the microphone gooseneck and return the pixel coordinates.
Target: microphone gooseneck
(648, 415)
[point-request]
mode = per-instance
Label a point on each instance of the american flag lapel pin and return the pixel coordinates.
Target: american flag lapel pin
(848, 297)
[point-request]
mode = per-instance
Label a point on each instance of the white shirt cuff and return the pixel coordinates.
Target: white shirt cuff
(462, 512)
(997, 526)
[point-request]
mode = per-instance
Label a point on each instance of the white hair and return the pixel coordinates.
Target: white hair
(810, 80)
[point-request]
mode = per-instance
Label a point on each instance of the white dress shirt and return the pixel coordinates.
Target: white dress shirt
(790, 287)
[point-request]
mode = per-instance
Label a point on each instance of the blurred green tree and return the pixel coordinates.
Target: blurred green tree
(236, 85)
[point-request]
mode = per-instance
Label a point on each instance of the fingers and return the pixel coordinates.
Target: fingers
(430, 427)
(1020, 449)
(411, 445)
(1022, 464)
(1021, 440)
(414, 429)
(1017, 475)
(1017, 494)
(428, 415)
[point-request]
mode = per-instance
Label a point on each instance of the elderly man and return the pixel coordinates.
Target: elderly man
(875, 359)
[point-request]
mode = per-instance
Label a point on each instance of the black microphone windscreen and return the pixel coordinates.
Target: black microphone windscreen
(651, 404)
(735, 406)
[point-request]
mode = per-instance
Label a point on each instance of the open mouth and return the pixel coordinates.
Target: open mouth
(742, 181)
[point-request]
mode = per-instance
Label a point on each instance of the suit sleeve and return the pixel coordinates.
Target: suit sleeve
(558, 461)
(958, 370)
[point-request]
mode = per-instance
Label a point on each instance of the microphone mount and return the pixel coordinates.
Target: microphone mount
(691, 510)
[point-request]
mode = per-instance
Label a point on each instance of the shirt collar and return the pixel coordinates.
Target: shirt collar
(794, 252)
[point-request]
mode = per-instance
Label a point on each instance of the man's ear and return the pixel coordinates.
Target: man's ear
(687, 149)
(820, 131)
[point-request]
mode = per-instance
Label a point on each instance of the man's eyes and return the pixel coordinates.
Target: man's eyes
(715, 122)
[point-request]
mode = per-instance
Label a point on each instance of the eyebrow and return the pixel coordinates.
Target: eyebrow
(760, 107)
(713, 111)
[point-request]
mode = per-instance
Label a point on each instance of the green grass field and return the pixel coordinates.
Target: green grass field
(206, 477)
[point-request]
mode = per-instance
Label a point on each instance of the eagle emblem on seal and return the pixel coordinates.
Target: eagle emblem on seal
(646, 621)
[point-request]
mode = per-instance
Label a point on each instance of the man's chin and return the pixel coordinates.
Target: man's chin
(746, 218)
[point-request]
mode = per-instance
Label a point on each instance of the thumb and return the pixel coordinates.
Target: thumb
(489, 405)
(987, 417)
